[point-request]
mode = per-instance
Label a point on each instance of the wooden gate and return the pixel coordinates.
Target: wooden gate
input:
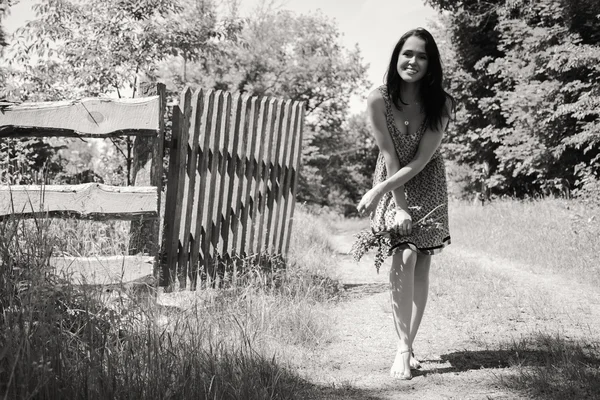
(233, 174)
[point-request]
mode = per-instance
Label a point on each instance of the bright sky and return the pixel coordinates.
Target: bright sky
(375, 25)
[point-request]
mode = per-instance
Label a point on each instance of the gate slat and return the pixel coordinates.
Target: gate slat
(221, 149)
(183, 192)
(287, 172)
(247, 200)
(278, 216)
(197, 105)
(232, 167)
(273, 119)
(245, 147)
(175, 190)
(294, 169)
(213, 155)
(272, 177)
(197, 259)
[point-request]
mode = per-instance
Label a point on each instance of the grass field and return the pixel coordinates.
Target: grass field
(260, 339)
(524, 313)
(548, 235)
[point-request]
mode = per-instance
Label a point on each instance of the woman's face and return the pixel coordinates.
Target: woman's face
(412, 60)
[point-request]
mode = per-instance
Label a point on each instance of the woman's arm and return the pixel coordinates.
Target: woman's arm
(376, 115)
(427, 146)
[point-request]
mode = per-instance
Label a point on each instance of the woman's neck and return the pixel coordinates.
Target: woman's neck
(409, 92)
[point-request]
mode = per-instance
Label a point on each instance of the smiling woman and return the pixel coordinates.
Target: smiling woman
(408, 116)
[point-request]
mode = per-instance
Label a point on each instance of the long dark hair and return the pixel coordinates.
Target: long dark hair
(431, 93)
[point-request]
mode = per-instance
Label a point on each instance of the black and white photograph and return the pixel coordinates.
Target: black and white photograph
(300, 199)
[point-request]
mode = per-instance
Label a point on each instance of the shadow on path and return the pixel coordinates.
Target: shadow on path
(540, 366)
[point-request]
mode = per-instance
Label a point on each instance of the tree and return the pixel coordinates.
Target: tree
(528, 99)
(298, 57)
(78, 48)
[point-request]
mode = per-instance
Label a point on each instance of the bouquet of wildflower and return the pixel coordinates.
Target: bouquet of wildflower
(384, 240)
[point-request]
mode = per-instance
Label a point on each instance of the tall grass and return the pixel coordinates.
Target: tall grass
(64, 341)
(553, 235)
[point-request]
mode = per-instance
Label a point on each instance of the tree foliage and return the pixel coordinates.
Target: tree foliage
(91, 48)
(81, 48)
(526, 75)
(298, 57)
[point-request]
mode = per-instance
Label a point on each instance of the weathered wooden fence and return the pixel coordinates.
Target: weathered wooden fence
(236, 162)
(231, 185)
(94, 118)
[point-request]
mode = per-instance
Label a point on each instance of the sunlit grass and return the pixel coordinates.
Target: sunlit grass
(552, 235)
(546, 350)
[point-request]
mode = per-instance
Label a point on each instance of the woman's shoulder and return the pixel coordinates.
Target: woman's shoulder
(376, 97)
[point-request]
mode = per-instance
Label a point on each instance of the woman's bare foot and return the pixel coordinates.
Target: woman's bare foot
(401, 367)
(414, 363)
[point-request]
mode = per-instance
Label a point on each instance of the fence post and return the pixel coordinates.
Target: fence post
(147, 170)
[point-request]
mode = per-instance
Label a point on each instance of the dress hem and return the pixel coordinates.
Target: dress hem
(422, 250)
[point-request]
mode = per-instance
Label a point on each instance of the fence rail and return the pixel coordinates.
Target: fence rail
(98, 118)
(90, 201)
(236, 158)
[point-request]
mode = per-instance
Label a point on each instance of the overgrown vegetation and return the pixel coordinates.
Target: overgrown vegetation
(64, 341)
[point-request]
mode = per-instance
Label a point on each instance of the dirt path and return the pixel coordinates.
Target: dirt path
(461, 355)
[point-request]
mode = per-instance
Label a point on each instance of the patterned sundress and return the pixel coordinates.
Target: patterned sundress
(426, 195)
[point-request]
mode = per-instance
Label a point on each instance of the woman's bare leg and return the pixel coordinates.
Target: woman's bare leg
(401, 294)
(421, 292)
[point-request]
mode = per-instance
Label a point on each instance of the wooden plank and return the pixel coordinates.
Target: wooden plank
(232, 185)
(174, 196)
(103, 270)
(89, 200)
(185, 104)
(167, 250)
(272, 141)
(193, 176)
(287, 181)
(208, 223)
(279, 178)
(148, 153)
(196, 105)
(204, 134)
(248, 177)
(262, 129)
(295, 171)
(248, 108)
(222, 177)
(88, 118)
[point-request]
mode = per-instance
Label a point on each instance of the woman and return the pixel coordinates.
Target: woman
(408, 116)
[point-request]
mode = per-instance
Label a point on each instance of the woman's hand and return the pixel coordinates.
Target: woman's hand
(369, 201)
(403, 222)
